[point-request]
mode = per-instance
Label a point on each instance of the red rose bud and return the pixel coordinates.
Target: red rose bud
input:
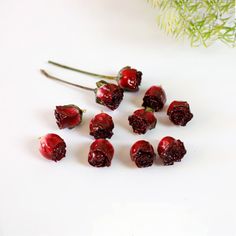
(52, 147)
(101, 153)
(68, 116)
(142, 120)
(171, 150)
(129, 79)
(101, 126)
(109, 95)
(142, 153)
(179, 113)
(154, 98)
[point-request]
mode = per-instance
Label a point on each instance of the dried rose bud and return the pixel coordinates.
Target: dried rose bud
(142, 153)
(154, 98)
(129, 79)
(101, 153)
(179, 113)
(109, 95)
(171, 150)
(53, 147)
(68, 116)
(101, 126)
(142, 120)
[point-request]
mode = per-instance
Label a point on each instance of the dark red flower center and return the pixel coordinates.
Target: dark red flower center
(138, 124)
(154, 102)
(144, 158)
(116, 98)
(59, 151)
(99, 159)
(173, 153)
(100, 132)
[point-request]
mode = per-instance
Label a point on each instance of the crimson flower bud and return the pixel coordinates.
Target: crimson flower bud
(52, 147)
(129, 79)
(142, 153)
(68, 116)
(142, 120)
(101, 153)
(171, 150)
(109, 95)
(101, 126)
(179, 113)
(154, 98)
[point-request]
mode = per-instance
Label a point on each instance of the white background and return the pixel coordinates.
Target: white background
(68, 198)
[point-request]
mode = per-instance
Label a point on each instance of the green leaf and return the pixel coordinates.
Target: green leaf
(202, 21)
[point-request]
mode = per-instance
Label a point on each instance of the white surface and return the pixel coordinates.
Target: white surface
(42, 198)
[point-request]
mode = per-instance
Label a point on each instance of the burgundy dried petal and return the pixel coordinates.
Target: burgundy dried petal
(179, 113)
(109, 95)
(52, 147)
(68, 116)
(171, 150)
(142, 120)
(142, 153)
(154, 98)
(101, 126)
(129, 79)
(101, 153)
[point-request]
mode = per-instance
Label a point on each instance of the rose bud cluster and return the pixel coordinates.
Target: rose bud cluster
(179, 113)
(68, 116)
(154, 98)
(101, 153)
(52, 147)
(109, 95)
(129, 79)
(142, 120)
(101, 126)
(171, 150)
(142, 153)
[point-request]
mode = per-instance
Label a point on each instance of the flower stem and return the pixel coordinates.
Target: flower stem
(82, 71)
(63, 81)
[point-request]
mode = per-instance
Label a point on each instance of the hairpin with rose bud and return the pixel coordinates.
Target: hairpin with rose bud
(128, 78)
(107, 94)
